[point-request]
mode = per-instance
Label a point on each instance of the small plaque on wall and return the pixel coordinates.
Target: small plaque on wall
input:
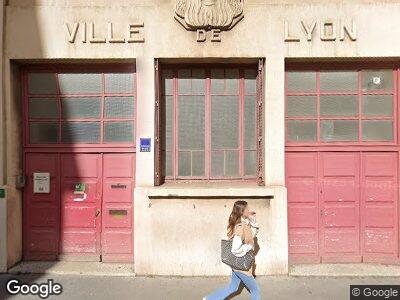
(41, 183)
(145, 144)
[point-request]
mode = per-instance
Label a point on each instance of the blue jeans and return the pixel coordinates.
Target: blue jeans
(236, 278)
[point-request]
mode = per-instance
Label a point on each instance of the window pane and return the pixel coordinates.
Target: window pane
(339, 130)
(42, 83)
(232, 81)
(191, 122)
(378, 105)
(250, 122)
(81, 108)
(118, 107)
(231, 163)
(377, 80)
(338, 81)
(198, 163)
(43, 108)
(301, 106)
(81, 132)
(377, 130)
(43, 133)
(184, 81)
(118, 132)
(119, 83)
(184, 164)
(167, 126)
(168, 171)
(80, 83)
(338, 106)
(224, 122)
(250, 86)
(301, 131)
(166, 81)
(198, 81)
(301, 81)
(250, 162)
(217, 81)
(217, 163)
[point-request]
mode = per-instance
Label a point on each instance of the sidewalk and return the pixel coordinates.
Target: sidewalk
(169, 288)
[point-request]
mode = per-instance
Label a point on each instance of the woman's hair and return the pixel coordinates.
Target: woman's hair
(236, 214)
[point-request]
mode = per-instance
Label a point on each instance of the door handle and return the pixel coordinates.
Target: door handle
(97, 213)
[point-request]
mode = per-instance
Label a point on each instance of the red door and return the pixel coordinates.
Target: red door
(303, 208)
(87, 212)
(379, 207)
(339, 206)
(118, 184)
(81, 179)
(342, 206)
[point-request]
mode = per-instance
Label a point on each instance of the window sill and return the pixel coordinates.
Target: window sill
(210, 190)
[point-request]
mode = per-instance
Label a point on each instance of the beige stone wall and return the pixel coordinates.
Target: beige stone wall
(35, 30)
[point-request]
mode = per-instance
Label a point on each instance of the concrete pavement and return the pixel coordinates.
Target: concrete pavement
(173, 288)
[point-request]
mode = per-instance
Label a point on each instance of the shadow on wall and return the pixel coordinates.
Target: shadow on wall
(14, 137)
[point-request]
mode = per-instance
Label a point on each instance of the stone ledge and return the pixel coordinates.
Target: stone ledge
(72, 268)
(210, 190)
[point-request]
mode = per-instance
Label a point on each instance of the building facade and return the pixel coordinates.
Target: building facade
(129, 128)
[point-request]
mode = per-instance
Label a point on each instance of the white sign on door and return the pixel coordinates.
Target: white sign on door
(41, 183)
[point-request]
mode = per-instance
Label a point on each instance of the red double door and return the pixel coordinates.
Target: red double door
(343, 206)
(87, 212)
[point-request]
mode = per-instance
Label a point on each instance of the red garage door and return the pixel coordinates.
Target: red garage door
(342, 206)
(87, 214)
(79, 155)
(342, 165)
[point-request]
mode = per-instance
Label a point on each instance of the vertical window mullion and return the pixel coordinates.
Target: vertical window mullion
(241, 122)
(59, 103)
(207, 127)
(318, 107)
(359, 98)
(102, 108)
(175, 123)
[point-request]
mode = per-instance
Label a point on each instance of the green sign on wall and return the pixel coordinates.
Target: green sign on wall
(2, 193)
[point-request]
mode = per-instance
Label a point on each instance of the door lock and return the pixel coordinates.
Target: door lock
(97, 213)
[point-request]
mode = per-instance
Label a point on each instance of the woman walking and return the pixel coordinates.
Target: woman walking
(243, 228)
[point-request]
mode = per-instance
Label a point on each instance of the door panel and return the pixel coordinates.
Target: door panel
(302, 184)
(380, 205)
(80, 223)
(41, 211)
(117, 207)
(339, 204)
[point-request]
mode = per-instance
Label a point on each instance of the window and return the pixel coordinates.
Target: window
(209, 122)
(340, 106)
(80, 107)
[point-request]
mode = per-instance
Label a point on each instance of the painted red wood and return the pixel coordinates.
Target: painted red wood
(339, 206)
(81, 213)
(117, 238)
(302, 184)
(41, 211)
(343, 206)
(379, 195)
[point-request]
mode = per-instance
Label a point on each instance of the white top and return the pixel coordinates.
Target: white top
(240, 249)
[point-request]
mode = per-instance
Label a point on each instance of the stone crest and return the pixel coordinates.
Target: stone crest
(208, 14)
